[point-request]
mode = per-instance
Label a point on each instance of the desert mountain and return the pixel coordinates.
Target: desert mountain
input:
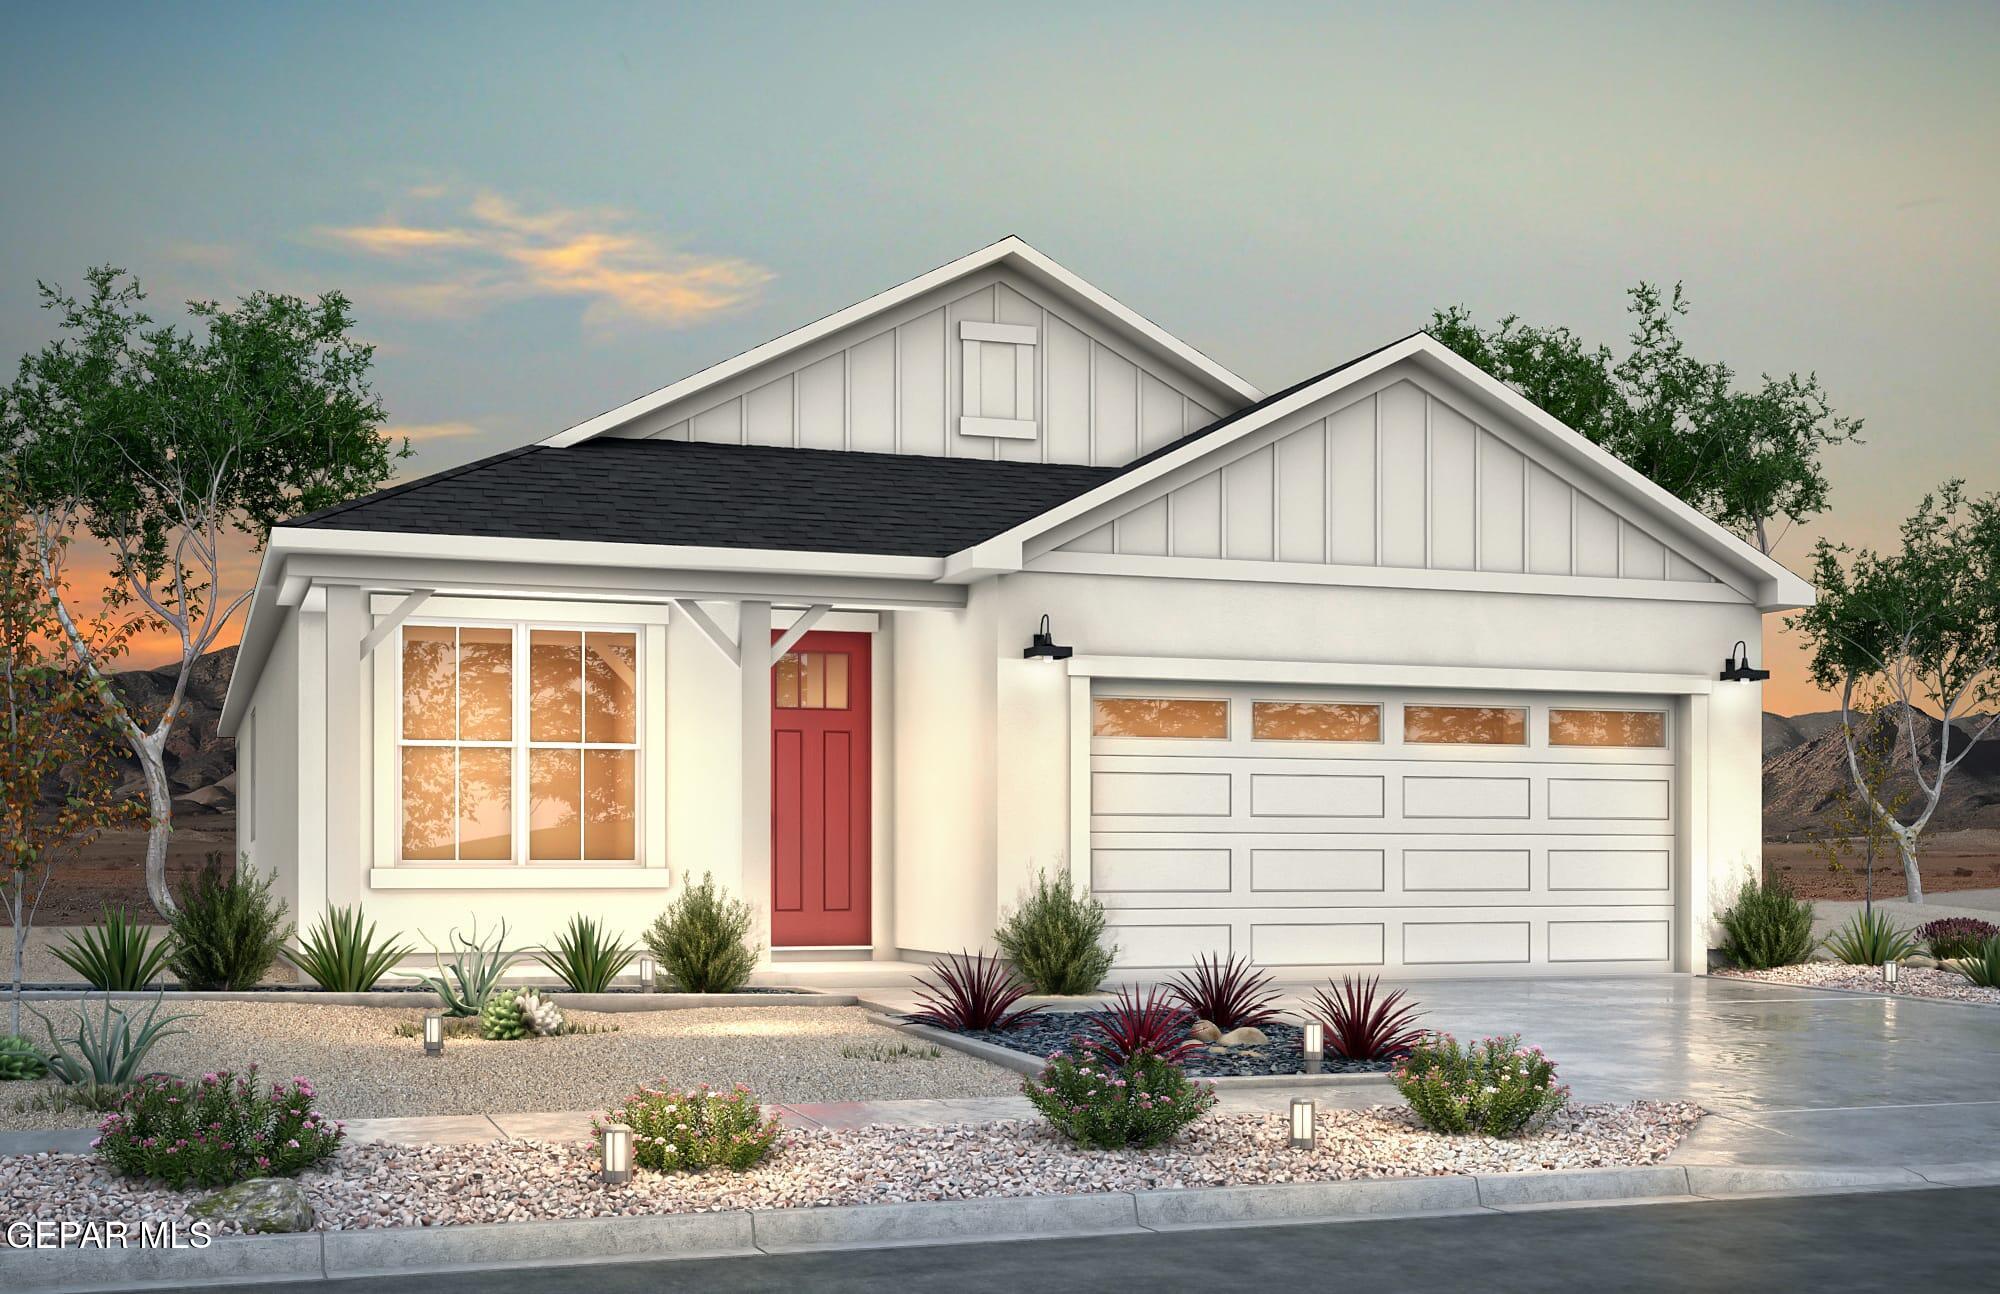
(201, 765)
(1804, 777)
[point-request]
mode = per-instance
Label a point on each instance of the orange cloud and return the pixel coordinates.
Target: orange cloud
(421, 433)
(494, 251)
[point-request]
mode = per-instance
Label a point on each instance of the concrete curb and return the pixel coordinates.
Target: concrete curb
(423, 1250)
(422, 1000)
(1023, 1063)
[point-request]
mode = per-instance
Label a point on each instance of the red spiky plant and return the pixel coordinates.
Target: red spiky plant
(972, 993)
(1363, 1023)
(1229, 995)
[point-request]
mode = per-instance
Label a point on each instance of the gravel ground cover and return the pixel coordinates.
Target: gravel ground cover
(379, 1186)
(1040, 1035)
(1915, 981)
(362, 1070)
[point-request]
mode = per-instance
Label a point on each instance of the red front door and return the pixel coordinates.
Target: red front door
(820, 792)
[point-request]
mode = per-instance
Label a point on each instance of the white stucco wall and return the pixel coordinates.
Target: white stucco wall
(274, 782)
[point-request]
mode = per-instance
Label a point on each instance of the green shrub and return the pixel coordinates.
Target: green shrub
(586, 957)
(1056, 938)
(108, 1050)
(215, 1132)
(519, 1013)
(1495, 1086)
(1982, 964)
(702, 940)
(1869, 939)
(117, 955)
(229, 928)
(470, 978)
(342, 957)
(1143, 1103)
(1767, 926)
(20, 1059)
(702, 1127)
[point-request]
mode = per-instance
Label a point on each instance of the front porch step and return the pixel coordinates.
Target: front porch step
(838, 974)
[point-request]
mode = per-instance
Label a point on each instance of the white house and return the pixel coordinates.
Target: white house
(1385, 670)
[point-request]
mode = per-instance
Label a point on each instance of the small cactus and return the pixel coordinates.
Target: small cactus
(21, 1059)
(540, 1014)
(501, 1020)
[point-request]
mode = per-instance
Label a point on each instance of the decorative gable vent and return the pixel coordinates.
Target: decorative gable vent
(998, 380)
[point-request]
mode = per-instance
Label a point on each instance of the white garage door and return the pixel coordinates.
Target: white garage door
(1320, 830)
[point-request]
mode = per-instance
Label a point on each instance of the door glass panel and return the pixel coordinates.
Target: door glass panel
(788, 681)
(485, 804)
(428, 775)
(485, 684)
(1465, 725)
(609, 795)
(836, 680)
(430, 682)
(555, 685)
(555, 817)
(1314, 721)
(812, 681)
(1151, 716)
(1636, 728)
(610, 666)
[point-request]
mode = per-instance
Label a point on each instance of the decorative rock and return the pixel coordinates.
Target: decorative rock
(258, 1206)
(1247, 1036)
(1203, 1031)
(1920, 961)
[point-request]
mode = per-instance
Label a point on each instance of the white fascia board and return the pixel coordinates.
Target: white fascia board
(1774, 588)
(260, 630)
(1009, 249)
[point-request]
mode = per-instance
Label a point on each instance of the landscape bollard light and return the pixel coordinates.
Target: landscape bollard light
(434, 1035)
(1315, 1046)
(1305, 1129)
(645, 974)
(614, 1144)
(1891, 972)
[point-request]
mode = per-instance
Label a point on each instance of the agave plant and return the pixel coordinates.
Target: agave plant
(1132, 1026)
(1982, 964)
(971, 993)
(1228, 995)
(1362, 1022)
(473, 974)
(106, 1051)
(585, 956)
(342, 957)
(1870, 939)
(118, 955)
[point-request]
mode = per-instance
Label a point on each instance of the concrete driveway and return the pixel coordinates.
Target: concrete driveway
(1794, 1076)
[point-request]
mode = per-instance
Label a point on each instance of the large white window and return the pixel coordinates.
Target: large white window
(518, 743)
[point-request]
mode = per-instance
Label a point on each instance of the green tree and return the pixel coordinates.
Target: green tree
(58, 765)
(160, 441)
(1852, 823)
(1924, 625)
(1746, 458)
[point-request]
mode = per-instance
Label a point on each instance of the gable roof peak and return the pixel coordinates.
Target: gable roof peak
(1012, 251)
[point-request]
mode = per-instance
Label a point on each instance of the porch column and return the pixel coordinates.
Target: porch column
(753, 649)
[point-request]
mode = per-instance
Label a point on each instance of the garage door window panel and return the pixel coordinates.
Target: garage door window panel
(1465, 725)
(1173, 718)
(1315, 721)
(1626, 729)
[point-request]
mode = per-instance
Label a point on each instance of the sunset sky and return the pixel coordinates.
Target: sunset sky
(543, 211)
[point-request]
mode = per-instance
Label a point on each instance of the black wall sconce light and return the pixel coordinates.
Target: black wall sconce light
(1045, 646)
(1736, 667)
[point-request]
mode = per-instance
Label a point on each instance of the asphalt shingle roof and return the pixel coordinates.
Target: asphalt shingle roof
(722, 496)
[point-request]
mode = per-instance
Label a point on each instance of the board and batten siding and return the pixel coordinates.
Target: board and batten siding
(1395, 478)
(895, 385)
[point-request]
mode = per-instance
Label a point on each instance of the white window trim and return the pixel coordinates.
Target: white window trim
(649, 870)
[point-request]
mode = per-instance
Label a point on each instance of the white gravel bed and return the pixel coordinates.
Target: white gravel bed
(1914, 981)
(361, 1070)
(377, 1185)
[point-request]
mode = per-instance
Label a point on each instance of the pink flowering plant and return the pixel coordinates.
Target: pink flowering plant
(685, 1131)
(1494, 1086)
(217, 1131)
(1143, 1102)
